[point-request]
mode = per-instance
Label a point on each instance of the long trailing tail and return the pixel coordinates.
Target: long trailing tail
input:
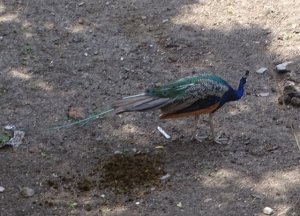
(140, 102)
(86, 120)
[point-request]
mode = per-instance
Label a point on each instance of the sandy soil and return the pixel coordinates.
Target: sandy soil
(59, 54)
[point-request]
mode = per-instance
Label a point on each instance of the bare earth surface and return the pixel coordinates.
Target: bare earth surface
(59, 54)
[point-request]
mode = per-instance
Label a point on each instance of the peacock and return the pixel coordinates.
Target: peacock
(191, 96)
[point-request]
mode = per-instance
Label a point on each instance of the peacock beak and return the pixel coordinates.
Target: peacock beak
(246, 74)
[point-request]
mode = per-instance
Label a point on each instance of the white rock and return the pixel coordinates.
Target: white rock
(268, 211)
(283, 66)
(263, 94)
(261, 70)
(165, 177)
(2, 189)
(27, 192)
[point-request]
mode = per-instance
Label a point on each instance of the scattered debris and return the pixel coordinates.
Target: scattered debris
(179, 205)
(11, 137)
(73, 205)
(263, 94)
(159, 147)
(117, 152)
(27, 192)
(165, 177)
(2, 189)
(81, 4)
(167, 136)
(10, 128)
(290, 96)
(76, 113)
(137, 203)
(261, 70)
(282, 68)
(208, 200)
(17, 139)
(102, 195)
(165, 20)
(268, 211)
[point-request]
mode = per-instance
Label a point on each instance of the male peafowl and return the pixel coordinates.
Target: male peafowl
(190, 96)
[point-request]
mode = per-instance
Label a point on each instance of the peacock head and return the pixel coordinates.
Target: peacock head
(243, 80)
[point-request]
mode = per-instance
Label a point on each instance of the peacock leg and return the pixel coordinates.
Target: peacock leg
(211, 125)
(217, 139)
(195, 134)
(196, 120)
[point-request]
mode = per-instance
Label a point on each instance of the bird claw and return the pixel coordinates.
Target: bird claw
(219, 140)
(199, 138)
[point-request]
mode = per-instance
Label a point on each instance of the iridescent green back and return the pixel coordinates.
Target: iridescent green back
(176, 89)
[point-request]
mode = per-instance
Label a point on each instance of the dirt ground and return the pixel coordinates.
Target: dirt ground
(59, 54)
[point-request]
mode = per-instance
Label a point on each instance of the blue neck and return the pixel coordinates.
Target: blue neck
(240, 91)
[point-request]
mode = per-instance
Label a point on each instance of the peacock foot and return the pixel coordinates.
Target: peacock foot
(199, 138)
(220, 139)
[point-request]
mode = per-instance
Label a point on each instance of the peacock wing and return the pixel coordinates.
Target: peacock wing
(201, 95)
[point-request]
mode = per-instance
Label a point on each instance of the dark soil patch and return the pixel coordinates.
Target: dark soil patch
(131, 173)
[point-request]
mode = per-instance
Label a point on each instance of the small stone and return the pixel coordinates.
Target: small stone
(10, 127)
(208, 200)
(165, 177)
(2, 189)
(261, 70)
(27, 192)
(81, 21)
(295, 101)
(137, 203)
(263, 94)
(102, 195)
(85, 54)
(179, 205)
(76, 113)
(268, 211)
(282, 68)
(117, 152)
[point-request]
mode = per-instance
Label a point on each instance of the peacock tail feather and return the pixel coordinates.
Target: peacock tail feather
(193, 95)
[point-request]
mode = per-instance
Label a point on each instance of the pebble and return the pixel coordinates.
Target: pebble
(117, 152)
(27, 192)
(10, 127)
(261, 70)
(263, 94)
(282, 68)
(2, 189)
(268, 211)
(165, 177)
